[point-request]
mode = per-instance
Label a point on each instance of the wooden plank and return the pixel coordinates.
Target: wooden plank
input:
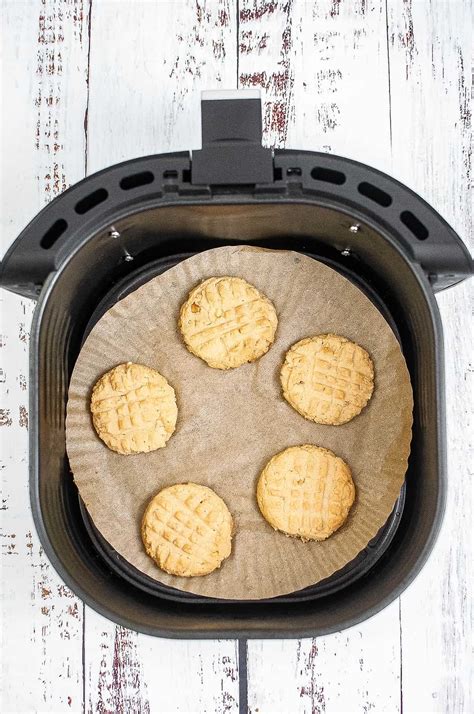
(114, 678)
(342, 108)
(135, 673)
(354, 671)
(44, 94)
(145, 102)
(148, 101)
(431, 121)
(323, 71)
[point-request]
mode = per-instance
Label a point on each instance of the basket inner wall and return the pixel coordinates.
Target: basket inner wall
(167, 235)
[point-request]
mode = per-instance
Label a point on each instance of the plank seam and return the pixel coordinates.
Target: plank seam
(83, 658)
(88, 72)
(237, 42)
(389, 81)
(401, 650)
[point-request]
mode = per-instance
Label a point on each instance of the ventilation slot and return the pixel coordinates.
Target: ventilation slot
(293, 172)
(136, 180)
(55, 232)
(328, 175)
(186, 175)
(170, 174)
(277, 173)
(414, 225)
(375, 194)
(91, 201)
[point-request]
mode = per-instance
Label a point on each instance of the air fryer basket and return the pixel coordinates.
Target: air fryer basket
(116, 229)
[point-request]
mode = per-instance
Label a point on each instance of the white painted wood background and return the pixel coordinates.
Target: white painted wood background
(87, 83)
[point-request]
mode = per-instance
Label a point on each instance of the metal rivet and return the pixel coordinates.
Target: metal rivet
(113, 233)
(354, 228)
(345, 252)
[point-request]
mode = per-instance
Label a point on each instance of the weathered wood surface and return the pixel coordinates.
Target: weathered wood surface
(385, 82)
(44, 95)
(430, 65)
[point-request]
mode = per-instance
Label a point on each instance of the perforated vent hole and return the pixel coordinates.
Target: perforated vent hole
(319, 173)
(52, 235)
(414, 225)
(91, 201)
(375, 194)
(136, 180)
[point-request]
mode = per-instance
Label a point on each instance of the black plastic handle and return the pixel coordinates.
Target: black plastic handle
(232, 151)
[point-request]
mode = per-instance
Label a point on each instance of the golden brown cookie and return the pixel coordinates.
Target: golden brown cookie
(187, 530)
(226, 322)
(327, 378)
(133, 409)
(306, 491)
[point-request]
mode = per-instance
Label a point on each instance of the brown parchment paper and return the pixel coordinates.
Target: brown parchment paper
(231, 422)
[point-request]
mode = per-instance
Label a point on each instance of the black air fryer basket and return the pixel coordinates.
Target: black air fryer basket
(118, 228)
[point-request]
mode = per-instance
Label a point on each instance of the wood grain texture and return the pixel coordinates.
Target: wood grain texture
(323, 71)
(386, 82)
(430, 72)
(344, 672)
(129, 672)
(44, 94)
(149, 63)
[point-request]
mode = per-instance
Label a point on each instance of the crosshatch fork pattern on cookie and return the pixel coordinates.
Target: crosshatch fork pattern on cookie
(187, 529)
(327, 378)
(227, 322)
(133, 408)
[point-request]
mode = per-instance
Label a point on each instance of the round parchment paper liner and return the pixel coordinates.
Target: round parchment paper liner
(231, 422)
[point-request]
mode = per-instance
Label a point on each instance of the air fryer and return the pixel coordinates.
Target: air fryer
(120, 227)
